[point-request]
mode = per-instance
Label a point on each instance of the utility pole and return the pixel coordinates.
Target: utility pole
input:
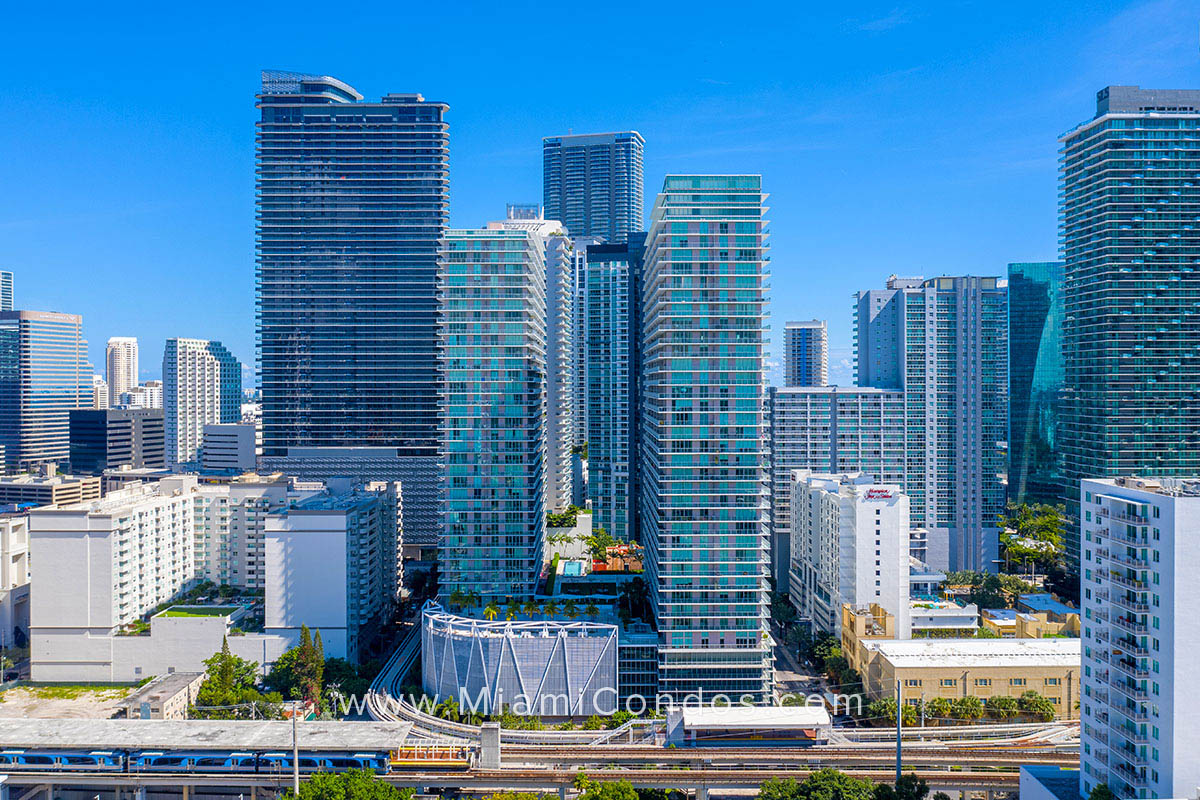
(899, 726)
(296, 755)
(922, 712)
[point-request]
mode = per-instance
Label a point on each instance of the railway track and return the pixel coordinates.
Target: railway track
(931, 756)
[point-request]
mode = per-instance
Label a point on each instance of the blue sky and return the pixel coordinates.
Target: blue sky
(917, 139)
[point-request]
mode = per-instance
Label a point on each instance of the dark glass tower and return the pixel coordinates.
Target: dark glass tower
(352, 206)
(1129, 213)
(1035, 378)
(592, 183)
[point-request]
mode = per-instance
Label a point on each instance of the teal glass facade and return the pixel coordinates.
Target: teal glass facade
(704, 510)
(1035, 380)
(592, 183)
(613, 339)
(494, 425)
(1130, 233)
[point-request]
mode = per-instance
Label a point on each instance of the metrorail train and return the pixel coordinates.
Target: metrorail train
(411, 757)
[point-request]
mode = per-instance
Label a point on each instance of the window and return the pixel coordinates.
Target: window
(983, 681)
(1053, 681)
(912, 682)
(1016, 681)
(949, 682)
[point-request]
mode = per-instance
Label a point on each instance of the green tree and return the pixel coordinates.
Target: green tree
(1002, 707)
(599, 542)
(593, 723)
(1101, 792)
(1032, 534)
(909, 787)
(531, 608)
(1037, 706)
(355, 784)
(591, 609)
(824, 784)
(491, 611)
(939, 709)
(968, 708)
(570, 609)
(604, 790)
(782, 611)
(229, 692)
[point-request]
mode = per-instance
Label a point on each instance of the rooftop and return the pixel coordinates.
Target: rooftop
(1168, 487)
(110, 734)
(953, 653)
(1043, 601)
(162, 687)
(754, 717)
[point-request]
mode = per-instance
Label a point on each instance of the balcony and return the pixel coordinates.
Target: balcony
(1122, 601)
(1130, 734)
(1130, 647)
(1121, 516)
(1129, 690)
(1131, 668)
(1126, 560)
(1129, 583)
(1129, 625)
(1131, 713)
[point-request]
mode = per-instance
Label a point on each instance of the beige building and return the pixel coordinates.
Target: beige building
(165, 697)
(49, 489)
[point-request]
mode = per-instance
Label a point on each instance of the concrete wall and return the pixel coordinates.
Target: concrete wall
(306, 576)
(174, 644)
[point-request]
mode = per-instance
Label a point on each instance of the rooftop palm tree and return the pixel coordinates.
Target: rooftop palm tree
(570, 610)
(591, 609)
(491, 611)
(530, 608)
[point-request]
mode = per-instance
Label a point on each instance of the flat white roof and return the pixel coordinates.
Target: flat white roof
(755, 717)
(109, 734)
(978, 652)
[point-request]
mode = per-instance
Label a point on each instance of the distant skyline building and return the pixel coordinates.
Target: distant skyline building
(806, 353)
(1128, 198)
(202, 383)
(834, 430)
(613, 341)
(109, 438)
(347, 299)
(495, 424)
(1035, 380)
(593, 183)
(703, 513)
(944, 343)
(100, 397)
(44, 373)
(6, 290)
(582, 245)
(148, 395)
(1140, 554)
(121, 359)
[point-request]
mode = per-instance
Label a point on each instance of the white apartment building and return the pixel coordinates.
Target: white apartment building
(850, 544)
(330, 563)
(14, 576)
(121, 357)
(230, 447)
(202, 383)
(100, 393)
(1140, 548)
(148, 395)
(103, 565)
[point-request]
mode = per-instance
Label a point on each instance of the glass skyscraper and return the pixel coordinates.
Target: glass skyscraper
(944, 343)
(1035, 380)
(494, 283)
(613, 339)
(44, 373)
(352, 207)
(806, 353)
(592, 183)
(704, 479)
(1130, 233)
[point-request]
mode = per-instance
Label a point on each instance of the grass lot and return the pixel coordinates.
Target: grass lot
(71, 691)
(199, 611)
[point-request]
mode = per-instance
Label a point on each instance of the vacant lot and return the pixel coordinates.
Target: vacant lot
(62, 702)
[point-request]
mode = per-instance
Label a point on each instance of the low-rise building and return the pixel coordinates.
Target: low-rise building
(229, 448)
(110, 438)
(48, 489)
(165, 697)
(983, 668)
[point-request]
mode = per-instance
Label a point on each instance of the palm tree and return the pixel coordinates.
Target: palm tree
(491, 611)
(570, 610)
(512, 609)
(458, 599)
(591, 609)
(530, 609)
(550, 609)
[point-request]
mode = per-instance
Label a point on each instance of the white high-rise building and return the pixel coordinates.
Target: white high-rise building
(1140, 548)
(806, 353)
(850, 544)
(944, 343)
(121, 357)
(202, 384)
(6, 290)
(99, 393)
(148, 395)
(14, 575)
